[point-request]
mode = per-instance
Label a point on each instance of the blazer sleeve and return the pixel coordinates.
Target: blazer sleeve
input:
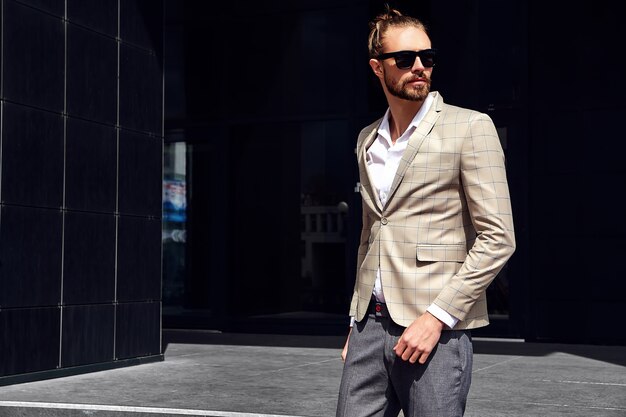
(484, 182)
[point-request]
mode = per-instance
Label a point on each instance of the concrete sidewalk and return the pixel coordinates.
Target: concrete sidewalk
(206, 374)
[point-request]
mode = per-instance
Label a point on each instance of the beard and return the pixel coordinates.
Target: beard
(402, 90)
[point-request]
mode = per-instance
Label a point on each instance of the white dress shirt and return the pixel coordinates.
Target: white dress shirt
(383, 158)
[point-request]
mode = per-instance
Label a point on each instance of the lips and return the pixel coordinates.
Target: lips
(418, 81)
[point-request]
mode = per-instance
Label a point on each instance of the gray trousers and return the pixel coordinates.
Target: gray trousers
(377, 383)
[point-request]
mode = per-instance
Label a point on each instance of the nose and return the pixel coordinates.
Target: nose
(417, 65)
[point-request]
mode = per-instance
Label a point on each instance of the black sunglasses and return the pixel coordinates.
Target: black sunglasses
(406, 59)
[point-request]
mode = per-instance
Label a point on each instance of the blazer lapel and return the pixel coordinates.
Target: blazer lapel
(415, 142)
(364, 143)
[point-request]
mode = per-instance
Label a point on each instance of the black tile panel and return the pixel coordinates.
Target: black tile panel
(29, 340)
(89, 258)
(91, 75)
(33, 42)
(55, 7)
(91, 154)
(140, 179)
(32, 156)
(138, 330)
(98, 15)
(88, 334)
(30, 256)
(141, 90)
(141, 23)
(138, 259)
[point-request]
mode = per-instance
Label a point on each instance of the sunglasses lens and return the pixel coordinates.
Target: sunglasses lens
(405, 60)
(427, 57)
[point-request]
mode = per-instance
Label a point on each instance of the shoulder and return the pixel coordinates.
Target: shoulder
(457, 114)
(463, 113)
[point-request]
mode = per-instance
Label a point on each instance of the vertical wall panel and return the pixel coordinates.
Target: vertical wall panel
(88, 333)
(135, 324)
(140, 165)
(138, 259)
(91, 166)
(140, 102)
(33, 48)
(91, 75)
(32, 156)
(141, 24)
(55, 7)
(29, 340)
(97, 15)
(65, 162)
(30, 257)
(89, 258)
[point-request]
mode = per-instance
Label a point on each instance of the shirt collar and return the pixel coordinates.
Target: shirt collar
(384, 131)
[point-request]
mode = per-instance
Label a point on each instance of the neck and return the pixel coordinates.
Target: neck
(401, 112)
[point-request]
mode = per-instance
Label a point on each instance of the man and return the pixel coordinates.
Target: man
(437, 229)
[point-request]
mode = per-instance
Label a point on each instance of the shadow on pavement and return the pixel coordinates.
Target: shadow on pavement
(610, 354)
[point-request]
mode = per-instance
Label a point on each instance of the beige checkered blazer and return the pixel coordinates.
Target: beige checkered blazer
(447, 227)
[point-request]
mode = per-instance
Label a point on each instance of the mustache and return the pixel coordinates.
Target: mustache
(420, 76)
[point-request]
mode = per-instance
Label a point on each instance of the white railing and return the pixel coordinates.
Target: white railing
(322, 220)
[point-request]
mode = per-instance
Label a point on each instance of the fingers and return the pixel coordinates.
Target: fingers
(413, 354)
(344, 352)
(419, 339)
(406, 352)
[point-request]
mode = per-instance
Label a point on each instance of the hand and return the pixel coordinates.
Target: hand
(344, 352)
(419, 339)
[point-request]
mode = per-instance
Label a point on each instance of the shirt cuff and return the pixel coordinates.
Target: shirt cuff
(443, 315)
(352, 321)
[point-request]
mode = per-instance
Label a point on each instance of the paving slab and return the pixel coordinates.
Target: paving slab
(248, 375)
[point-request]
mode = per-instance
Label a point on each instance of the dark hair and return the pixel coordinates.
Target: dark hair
(380, 25)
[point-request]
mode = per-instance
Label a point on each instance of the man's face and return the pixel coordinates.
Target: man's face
(411, 84)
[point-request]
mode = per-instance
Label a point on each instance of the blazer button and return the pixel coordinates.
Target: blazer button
(384, 221)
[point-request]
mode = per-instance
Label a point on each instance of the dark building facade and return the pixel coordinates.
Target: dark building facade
(80, 199)
(264, 102)
(190, 165)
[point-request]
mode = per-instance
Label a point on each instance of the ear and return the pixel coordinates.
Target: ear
(377, 67)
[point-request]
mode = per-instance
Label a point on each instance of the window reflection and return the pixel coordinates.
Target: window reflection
(174, 222)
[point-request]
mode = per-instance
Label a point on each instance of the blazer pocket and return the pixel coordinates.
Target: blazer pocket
(435, 161)
(426, 252)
